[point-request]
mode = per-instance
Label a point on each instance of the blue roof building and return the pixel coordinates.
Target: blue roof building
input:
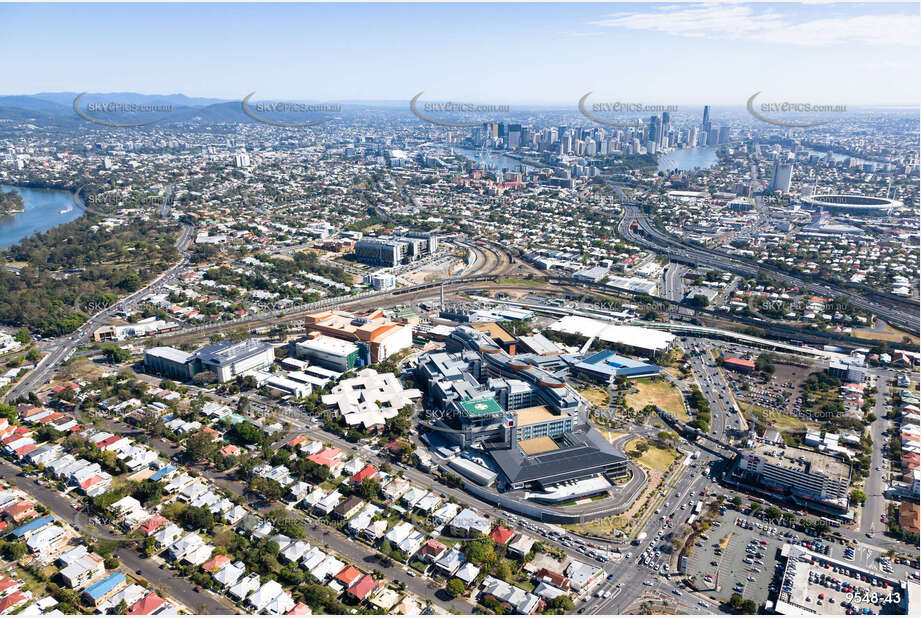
(32, 526)
(101, 590)
(608, 365)
(159, 474)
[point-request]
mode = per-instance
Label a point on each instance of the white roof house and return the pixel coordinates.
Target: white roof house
(266, 593)
(230, 574)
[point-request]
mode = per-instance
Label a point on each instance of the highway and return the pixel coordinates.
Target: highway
(656, 240)
(60, 349)
(673, 281)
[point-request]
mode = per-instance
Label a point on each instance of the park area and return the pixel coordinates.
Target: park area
(657, 393)
(650, 455)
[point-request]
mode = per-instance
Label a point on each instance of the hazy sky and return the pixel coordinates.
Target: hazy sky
(668, 53)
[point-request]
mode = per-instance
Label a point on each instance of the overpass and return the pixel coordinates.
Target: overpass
(893, 309)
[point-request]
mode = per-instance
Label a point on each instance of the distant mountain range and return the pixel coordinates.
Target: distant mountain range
(56, 108)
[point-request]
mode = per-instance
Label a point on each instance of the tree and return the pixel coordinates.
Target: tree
(700, 301)
(200, 447)
(269, 489)
(504, 571)
(749, 607)
(147, 492)
(481, 550)
(14, 551)
(369, 489)
(197, 518)
(455, 587)
(563, 602)
(735, 601)
(858, 496)
(205, 377)
(245, 433)
(115, 354)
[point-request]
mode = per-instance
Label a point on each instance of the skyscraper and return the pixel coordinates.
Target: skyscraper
(666, 118)
(655, 130)
(705, 128)
(782, 176)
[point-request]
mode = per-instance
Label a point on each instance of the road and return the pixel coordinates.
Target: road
(204, 602)
(60, 349)
(674, 281)
(894, 311)
(876, 502)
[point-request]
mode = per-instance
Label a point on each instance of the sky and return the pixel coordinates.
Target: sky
(516, 53)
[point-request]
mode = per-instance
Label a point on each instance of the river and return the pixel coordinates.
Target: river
(687, 159)
(42, 211)
(490, 159)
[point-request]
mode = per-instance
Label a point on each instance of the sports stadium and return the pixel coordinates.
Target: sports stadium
(852, 204)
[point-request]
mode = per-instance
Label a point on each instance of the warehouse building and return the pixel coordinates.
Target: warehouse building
(328, 352)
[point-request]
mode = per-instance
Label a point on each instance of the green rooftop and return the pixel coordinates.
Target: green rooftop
(482, 407)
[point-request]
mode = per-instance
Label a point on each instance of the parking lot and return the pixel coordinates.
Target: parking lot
(739, 569)
(832, 587)
(743, 563)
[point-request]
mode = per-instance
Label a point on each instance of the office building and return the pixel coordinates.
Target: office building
(168, 362)
(376, 336)
(802, 475)
(328, 352)
(782, 176)
(225, 359)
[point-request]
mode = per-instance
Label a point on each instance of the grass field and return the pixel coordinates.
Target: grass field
(890, 334)
(774, 420)
(654, 458)
(597, 396)
(660, 394)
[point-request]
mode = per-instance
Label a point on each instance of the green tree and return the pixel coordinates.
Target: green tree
(455, 587)
(369, 489)
(200, 447)
(858, 496)
(735, 601)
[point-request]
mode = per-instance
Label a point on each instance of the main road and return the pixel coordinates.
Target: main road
(60, 349)
(655, 239)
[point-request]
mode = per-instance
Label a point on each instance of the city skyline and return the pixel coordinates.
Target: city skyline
(502, 53)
